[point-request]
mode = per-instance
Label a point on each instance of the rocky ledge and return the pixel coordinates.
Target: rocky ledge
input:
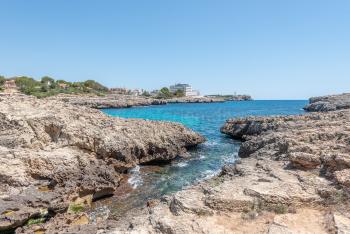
(108, 101)
(329, 103)
(293, 176)
(194, 100)
(56, 156)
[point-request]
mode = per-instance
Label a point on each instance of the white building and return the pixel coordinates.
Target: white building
(186, 88)
(137, 92)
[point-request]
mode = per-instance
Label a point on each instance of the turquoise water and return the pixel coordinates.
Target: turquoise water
(207, 159)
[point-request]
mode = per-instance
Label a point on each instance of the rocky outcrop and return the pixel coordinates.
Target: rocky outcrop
(232, 97)
(239, 98)
(108, 101)
(329, 103)
(125, 101)
(194, 100)
(318, 141)
(55, 155)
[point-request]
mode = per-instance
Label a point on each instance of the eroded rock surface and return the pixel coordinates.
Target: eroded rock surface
(53, 154)
(329, 103)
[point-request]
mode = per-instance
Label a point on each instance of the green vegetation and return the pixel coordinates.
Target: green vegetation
(2, 80)
(165, 93)
(47, 86)
(146, 94)
(179, 93)
(76, 208)
(93, 85)
(36, 221)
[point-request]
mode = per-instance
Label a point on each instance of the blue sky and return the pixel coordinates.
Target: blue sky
(271, 49)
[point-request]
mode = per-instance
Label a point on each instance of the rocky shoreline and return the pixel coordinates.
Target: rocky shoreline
(108, 101)
(194, 100)
(56, 158)
(126, 101)
(292, 177)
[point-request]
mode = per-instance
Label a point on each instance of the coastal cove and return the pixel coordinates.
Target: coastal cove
(150, 182)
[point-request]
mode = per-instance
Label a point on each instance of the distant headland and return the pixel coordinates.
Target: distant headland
(93, 94)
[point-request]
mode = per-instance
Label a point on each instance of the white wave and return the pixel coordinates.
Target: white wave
(231, 158)
(135, 179)
(209, 174)
(202, 156)
(211, 143)
(181, 164)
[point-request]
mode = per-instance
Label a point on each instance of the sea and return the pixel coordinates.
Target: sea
(205, 161)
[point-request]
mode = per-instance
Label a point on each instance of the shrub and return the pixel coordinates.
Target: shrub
(75, 208)
(2, 80)
(95, 85)
(35, 221)
(179, 93)
(164, 93)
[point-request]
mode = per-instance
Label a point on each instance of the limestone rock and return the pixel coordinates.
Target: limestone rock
(343, 177)
(342, 223)
(329, 103)
(52, 153)
(108, 101)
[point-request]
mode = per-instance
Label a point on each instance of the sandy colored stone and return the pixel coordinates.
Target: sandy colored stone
(342, 223)
(343, 177)
(329, 103)
(53, 153)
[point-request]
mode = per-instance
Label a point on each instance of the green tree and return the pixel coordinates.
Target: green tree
(27, 85)
(95, 86)
(179, 93)
(47, 80)
(47, 83)
(165, 93)
(146, 94)
(77, 85)
(2, 80)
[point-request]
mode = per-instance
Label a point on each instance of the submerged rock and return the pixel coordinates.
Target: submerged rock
(53, 154)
